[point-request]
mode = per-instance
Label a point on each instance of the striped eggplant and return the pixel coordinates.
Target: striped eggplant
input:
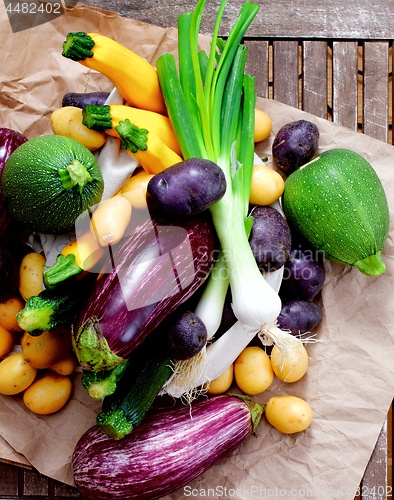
(157, 266)
(9, 141)
(165, 452)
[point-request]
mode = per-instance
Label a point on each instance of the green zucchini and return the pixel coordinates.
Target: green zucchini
(148, 368)
(49, 182)
(337, 202)
(103, 383)
(55, 307)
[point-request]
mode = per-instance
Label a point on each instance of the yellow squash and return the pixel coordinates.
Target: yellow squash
(107, 118)
(134, 77)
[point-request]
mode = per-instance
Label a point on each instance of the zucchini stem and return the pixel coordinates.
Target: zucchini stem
(75, 174)
(132, 137)
(97, 117)
(78, 46)
(64, 268)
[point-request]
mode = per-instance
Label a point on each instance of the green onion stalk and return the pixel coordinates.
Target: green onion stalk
(211, 104)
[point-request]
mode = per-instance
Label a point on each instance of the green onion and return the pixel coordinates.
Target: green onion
(211, 103)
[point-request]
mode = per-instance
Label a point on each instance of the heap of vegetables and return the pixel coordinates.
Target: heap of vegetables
(179, 273)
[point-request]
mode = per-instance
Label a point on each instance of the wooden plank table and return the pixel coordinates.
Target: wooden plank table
(331, 58)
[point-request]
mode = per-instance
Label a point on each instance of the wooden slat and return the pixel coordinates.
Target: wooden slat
(64, 490)
(35, 483)
(374, 483)
(285, 72)
(258, 65)
(376, 89)
(314, 86)
(344, 70)
(8, 480)
(276, 19)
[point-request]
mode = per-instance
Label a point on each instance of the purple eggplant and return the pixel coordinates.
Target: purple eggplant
(155, 268)
(9, 141)
(165, 452)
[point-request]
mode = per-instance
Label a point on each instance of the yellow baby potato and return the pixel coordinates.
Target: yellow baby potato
(262, 126)
(43, 351)
(67, 121)
(15, 374)
(48, 393)
(9, 308)
(135, 187)
(7, 340)
(66, 365)
(30, 274)
(288, 414)
(223, 382)
(253, 371)
(289, 370)
(267, 185)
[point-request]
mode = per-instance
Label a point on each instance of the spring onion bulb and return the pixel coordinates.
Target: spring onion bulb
(211, 104)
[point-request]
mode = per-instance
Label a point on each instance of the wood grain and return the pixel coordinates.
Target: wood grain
(276, 19)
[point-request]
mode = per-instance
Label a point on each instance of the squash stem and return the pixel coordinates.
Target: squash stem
(75, 174)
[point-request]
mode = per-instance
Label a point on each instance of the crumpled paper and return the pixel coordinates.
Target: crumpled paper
(350, 382)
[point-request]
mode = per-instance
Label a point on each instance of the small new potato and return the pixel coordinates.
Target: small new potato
(134, 189)
(186, 188)
(267, 185)
(270, 238)
(8, 311)
(288, 414)
(299, 316)
(253, 371)
(289, 370)
(66, 365)
(223, 382)
(43, 351)
(303, 275)
(262, 126)
(15, 374)
(31, 271)
(48, 393)
(295, 144)
(7, 341)
(67, 121)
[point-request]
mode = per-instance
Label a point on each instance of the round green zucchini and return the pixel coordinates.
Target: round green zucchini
(49, 182)
(337, 202)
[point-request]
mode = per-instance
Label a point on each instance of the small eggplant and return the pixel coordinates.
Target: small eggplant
(157, 266)
(165, 452)
(9, 141)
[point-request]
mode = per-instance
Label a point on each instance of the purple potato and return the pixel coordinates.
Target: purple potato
(270, 238)
(81, 99)
(186, 334)
(187, 188)
(303, 275)
(295, 144)
(299, 316)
